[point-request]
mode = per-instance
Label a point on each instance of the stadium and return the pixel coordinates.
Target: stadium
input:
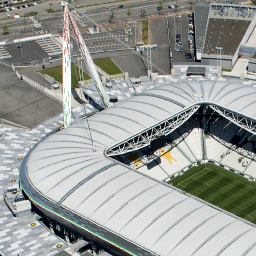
(111, 179)
(114, 140)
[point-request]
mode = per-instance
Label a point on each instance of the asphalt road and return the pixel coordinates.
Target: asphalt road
(185, 41)
(22, 104)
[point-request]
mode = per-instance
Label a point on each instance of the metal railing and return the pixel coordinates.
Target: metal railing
(117, 76)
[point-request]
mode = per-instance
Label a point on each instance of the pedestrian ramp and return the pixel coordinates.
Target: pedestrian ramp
(36, 23)
(50, 46)
(3, 53)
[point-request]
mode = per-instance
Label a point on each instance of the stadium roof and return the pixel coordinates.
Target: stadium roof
(148, 213)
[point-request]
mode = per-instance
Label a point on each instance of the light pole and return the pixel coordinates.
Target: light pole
(135, 30)
(220, 49)
(17, 17)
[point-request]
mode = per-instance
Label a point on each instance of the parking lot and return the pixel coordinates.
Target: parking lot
(115, 39)
(157, 30)
(28, 52)
(180, 25)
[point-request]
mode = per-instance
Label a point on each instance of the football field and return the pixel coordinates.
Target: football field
(222, 188)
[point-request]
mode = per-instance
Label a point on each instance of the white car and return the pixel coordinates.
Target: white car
(83, 12)
(35, 4)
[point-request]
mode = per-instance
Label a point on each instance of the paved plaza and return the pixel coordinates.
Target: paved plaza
(17, 234)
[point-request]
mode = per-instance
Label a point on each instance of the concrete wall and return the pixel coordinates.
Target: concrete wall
(226, 64)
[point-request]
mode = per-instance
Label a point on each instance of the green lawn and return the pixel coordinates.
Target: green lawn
(107, 65)
(222, 188)
(56, 73)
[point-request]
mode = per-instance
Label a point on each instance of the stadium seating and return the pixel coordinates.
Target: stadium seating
(214, 149)
(251, 169)
(224, 143)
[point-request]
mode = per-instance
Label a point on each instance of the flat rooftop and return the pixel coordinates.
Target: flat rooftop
(196, 70)
(200, 20)
(225, 33)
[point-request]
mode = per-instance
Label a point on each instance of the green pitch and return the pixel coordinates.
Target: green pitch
(222, 188)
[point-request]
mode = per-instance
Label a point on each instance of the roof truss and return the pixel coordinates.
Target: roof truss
(239, 120)
(145, 137)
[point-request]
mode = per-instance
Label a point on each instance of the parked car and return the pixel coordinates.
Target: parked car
(178, 36)
(121, 6)
(83, 12)
(106, 8)
(188, 55)
(159, 8)
(18, 7)
(23, 6)
(39, 2)
(171, 7)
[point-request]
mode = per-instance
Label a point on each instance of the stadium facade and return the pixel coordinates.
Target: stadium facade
(84, 185)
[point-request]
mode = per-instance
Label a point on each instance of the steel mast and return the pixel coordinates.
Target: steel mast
(88, 61)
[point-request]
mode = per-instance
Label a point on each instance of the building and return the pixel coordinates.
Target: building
(228, 28)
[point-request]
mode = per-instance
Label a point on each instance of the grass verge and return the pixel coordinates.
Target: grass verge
(145, 31)
(56, 73)
(33, 13)
(107, 65)
(222, 188)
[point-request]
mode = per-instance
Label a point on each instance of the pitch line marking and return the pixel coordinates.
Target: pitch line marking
(234, 180)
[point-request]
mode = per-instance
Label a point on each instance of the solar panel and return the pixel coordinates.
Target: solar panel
(247, 50)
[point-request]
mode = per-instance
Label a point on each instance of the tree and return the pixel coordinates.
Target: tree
(5, 28)
(176, 7)
(191, 5)
(160, 3)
